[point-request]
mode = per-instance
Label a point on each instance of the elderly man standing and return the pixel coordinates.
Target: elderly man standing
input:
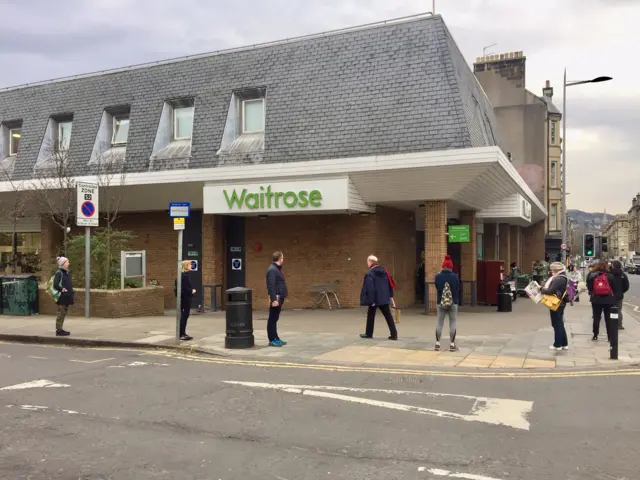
(377, 292)
(277, 290)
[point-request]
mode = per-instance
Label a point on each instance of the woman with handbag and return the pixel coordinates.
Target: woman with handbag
(555, 298)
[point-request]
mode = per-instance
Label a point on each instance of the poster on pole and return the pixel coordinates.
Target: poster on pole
(87, 205)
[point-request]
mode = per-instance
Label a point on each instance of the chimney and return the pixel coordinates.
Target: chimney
(510, 66)
(547, 91)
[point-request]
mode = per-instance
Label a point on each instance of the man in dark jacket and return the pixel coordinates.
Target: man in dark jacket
(62, 283)
(277, 290)
(622, 286)
(601, 302)
(377, 292)
(447, 277)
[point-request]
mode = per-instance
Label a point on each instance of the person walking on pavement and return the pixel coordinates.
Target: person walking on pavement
(277, 290)
(448, 299)
(575, 277)
(186, 296)
(557, 285)
(601, 285)
(377, 293)
(621, 287)
(63, 284)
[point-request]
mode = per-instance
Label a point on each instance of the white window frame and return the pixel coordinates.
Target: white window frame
(553, 133)
(60, 124)
(244, 114)
(117, 118)
(175, 123)
(11, 130)
(553, 176)
(553, 226)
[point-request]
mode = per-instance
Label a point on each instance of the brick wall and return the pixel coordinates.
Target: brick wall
(490, 241)
(532, 245)
(515, 246)
(323, 248)
(138, 302)
(504, 239)
(435, 244)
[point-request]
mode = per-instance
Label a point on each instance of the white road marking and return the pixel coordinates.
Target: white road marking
(38, 358)
(446, 473)
(495, 411)
(4, 355)
(140, 364)
(636, 308)
(92, 361)
(35, 384)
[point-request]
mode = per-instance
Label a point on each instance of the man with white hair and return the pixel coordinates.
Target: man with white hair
(377, 293)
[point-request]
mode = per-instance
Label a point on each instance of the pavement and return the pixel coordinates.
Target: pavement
(486, 338)
(97, 414)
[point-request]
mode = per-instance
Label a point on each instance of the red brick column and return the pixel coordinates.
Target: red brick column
(504, 239)
(213, 236)
(469, 256)
(532, 245)
(435, 244)
(515, 246)
(490, 242)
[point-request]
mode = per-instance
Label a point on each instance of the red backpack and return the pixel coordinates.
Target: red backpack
(601, 286)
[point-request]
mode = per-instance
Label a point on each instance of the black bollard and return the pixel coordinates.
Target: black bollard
(613, 332)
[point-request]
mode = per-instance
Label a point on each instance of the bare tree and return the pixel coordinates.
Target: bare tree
(111, 178)
(55, 189)
(14, 208)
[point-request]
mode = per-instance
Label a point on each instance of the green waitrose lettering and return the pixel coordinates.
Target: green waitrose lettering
(266, 198)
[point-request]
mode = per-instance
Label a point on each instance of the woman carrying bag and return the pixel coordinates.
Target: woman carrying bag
(555, 298)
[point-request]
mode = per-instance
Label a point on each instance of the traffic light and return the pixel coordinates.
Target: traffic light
(589, 244)
(603, 244)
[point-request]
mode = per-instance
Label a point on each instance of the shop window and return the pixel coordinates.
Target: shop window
(480, 246)
(27, 247)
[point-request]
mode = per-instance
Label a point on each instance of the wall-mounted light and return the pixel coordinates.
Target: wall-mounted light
(15, 135)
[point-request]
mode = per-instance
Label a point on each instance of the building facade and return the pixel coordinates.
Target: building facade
(530, 125)
(634, 225)
(330, 147)
(617, 234)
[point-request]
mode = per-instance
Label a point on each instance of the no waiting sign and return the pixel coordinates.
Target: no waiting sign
(87, 201)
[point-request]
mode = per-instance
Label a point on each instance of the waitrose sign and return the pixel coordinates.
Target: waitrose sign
(267, 198)
(277, 197)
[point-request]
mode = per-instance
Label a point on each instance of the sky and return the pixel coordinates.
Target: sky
(44, 39)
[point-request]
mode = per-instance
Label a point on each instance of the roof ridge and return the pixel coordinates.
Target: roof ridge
(340, 31)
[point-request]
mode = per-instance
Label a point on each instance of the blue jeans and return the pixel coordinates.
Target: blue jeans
(557, 322)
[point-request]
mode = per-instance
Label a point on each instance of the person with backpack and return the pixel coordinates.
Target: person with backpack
(448, 288)
(621, 287)
(558, 284)
(377, 293)
(62, 293)
(602, 286)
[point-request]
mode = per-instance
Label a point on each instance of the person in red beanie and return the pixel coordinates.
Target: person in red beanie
(448, 287)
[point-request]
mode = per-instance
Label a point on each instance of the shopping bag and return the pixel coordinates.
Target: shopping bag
(398, 312)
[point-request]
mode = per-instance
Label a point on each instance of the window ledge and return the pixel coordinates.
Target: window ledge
(244, 143)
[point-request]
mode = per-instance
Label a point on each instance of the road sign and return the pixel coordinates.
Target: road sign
(87, 214)
(178, 223)
(179, 209)
(563, 246)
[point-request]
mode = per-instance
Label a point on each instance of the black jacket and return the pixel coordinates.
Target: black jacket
(598, 299)
(376, 288)
(61, 280)
(622, 283)
(558, 287)
(186, 287)
(276, 284)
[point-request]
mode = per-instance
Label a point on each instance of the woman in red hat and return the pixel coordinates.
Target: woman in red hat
(448, 287)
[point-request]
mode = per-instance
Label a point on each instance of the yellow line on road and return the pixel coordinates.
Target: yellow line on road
(396, 371)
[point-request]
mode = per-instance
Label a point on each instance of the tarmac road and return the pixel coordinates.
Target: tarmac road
(128, 415)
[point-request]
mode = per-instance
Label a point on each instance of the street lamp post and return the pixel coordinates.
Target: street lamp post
(566, 84)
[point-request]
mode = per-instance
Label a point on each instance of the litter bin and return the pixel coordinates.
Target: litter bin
(504, 297)
(239, 316)
(19, 295)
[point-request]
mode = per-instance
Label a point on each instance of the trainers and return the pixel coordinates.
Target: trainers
(282, 341)
(453, 348)
(551, 347)
(620, 327)
(566, 347)
(62, 333)
(437, 347)
(275, 343)
(364, 335)
(186, 338)
(595, 338)
(393, 338)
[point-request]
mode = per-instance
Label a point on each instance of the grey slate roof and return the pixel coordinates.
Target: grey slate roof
(391, 88)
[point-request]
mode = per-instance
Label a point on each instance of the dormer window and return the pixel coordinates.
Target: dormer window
(14, 140)
(120, 130)
(253, 116)
(64, 135)
(183, 123)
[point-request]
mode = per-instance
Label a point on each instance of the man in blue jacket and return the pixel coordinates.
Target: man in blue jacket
(448, 287)
(277, 290)
(377, 293)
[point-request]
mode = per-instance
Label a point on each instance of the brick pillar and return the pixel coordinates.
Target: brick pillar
(532, 245)
(490, 242)
(469, 256)
(435, 244)
(515, 249)
(213, 237)
(504, 239)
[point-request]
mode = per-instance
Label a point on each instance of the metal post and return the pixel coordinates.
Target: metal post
(564, 165)
(87, 271)
(179, 286)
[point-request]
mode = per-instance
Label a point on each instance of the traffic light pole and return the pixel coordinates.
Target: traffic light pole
(564, 166)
